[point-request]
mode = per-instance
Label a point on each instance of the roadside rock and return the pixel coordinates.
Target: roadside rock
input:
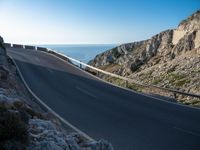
(99, 145)
(13, 128)
(3, 73)
(45, 135)
(1, 42)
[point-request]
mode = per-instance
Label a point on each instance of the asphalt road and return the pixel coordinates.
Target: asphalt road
(130, 121)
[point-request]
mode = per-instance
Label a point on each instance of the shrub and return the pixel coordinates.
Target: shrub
(12, 127)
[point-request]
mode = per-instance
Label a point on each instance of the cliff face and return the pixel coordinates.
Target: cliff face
(172, 52)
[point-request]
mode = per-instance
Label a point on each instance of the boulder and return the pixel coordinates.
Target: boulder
(45, 135)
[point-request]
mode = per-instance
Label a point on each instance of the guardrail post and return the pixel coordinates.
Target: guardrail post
(80, 65)
(126, 83)
(174, 95)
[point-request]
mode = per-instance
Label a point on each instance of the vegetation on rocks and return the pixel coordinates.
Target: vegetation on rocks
(13, 129)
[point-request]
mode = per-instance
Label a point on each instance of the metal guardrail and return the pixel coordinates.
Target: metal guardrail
(127, 80)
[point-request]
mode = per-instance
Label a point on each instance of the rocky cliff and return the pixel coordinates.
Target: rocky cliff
(169, 59)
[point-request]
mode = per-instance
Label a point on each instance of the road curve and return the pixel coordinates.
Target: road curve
(130, 121)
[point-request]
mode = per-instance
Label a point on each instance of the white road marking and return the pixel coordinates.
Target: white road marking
(186, 131)
(85, 92)
(50, 70)
(37, 59)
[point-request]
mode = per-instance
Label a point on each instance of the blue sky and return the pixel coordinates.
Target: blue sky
(89, 21)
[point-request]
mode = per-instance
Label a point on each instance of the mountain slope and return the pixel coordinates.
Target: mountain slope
(169, 59)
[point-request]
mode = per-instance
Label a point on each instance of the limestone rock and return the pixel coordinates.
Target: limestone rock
(191, 23)
(100, 145)
(186, 43)
(44, 135)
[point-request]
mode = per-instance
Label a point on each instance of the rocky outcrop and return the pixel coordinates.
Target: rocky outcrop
(45, 135)
(191, 23)
(3, 57)
(186, 43)
(1, 42)
(13, 111)
(131, 56)
(172, 49)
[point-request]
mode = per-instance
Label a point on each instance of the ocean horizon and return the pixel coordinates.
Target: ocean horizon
(82, 52)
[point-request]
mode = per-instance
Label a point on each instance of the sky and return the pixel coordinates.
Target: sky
(89, 21)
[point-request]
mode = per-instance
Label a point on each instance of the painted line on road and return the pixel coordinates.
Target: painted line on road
(86, 92)
(186, 131)
(48, 108)
(37, 59)
(51, 71)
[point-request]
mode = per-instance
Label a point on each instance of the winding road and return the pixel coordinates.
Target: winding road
(129, 120)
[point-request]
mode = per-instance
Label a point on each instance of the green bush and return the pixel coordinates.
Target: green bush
(175, 76)
(156, 81)
(180, 83)
(12, 127)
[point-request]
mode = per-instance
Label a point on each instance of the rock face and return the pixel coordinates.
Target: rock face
(13, 115)
(174, 51)
(3, 57)
(191, 23)
(1, 42)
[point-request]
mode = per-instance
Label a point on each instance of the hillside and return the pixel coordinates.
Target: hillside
(169, 59)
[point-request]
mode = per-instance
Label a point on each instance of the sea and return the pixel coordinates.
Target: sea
(82, 52)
